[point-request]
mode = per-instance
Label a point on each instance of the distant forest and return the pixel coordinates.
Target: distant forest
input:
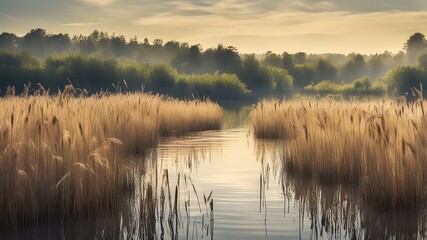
(109, 62)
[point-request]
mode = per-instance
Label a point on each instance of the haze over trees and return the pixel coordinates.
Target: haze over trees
(103, 61)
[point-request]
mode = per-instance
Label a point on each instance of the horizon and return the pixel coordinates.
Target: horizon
(309, 26)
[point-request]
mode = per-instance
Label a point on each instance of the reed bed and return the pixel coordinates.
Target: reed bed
(334, 211)
(61, 156)
(379, 147)
(178, 117)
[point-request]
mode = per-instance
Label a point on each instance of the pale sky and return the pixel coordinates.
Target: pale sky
(313, 26)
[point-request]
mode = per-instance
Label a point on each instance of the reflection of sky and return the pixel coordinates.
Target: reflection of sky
(229, 163)
(252, 26)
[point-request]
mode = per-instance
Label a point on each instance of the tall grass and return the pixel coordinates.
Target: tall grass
(380, 147)
(178, 117)
(334, 211)
(62, 157)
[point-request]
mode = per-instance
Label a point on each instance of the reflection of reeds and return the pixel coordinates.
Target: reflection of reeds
(336, 211)
(164, 209)
(60, 155)
(179, 205)
(379, 146)
(339, 212)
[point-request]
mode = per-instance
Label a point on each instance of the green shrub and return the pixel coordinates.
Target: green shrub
(218, 86)
(280, 77)
(360, 86)
(401, 80)
(162, 76)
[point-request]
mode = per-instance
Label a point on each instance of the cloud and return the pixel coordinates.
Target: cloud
(75, 24)
(97, 2)
(368, 5)
(314, 7)
(337, 31)
(279, 24)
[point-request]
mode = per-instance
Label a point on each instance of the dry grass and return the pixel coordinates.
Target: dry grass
(381, 147)
(62, 156)
(178, 117)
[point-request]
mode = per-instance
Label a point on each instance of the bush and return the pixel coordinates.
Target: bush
(17, 69)
(162, 76)
(280, 77)
(218, 86)
(325, 87)
(402, 80)
(360, 86)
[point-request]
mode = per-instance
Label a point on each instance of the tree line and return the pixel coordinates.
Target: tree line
(89, 60)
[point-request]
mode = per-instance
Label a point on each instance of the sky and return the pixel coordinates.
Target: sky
(252, 26)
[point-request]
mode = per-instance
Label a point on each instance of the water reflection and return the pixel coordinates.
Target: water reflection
(168, 206)
(337, 211)
(236, 116)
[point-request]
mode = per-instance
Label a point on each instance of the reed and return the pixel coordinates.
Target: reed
(178, 117)
(380, 147)
(61, 156)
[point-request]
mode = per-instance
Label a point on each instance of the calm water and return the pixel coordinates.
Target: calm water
(228, 185)
(248, 198)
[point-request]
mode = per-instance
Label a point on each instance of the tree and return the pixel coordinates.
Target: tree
(272, 60)
(58, 42)
(325, 70)
(353, 68)
(34, 41)
(158, 42)
(287, 61)
(401, 80)
(87, 44)
(227, 59)
(422, 62)
(8, 40)
(300, 57)
(303, 74)
(146, 42)
(251, 72)
(379, 64)
(194, 55)
(118, 45)
(414, 46)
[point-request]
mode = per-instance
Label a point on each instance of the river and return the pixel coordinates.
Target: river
(225, 184)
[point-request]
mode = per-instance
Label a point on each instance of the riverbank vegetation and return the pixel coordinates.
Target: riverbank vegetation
(380, 146)
(97, 74)
(64, 157)
(102, 61)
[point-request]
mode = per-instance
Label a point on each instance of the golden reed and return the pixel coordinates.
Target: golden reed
(380, 147)
(63, 156)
